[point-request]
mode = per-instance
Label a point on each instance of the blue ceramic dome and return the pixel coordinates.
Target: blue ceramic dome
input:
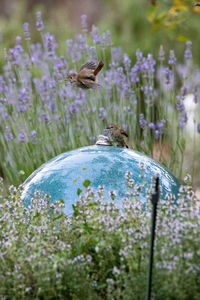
(102, 165)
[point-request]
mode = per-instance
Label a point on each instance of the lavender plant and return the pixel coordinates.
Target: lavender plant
(42, 250)
(42, 115)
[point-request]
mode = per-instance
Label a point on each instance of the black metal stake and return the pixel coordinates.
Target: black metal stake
(154, 201)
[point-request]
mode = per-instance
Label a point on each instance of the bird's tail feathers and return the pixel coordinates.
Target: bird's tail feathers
(99, 67)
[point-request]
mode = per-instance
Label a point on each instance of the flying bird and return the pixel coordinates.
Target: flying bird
(116, 135)
(86, 77)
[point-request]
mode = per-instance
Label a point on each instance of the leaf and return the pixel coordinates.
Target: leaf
(58, 217)
(87, 228)
(75, 208)
(86, 183)
(79, 191)
(83, 169)
(74, 180)
(182, 38)
(61, 201)
(161, 16)
(37, 215)
(151, 14)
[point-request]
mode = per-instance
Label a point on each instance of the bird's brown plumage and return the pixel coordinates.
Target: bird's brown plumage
(86, 77)
(116, 135)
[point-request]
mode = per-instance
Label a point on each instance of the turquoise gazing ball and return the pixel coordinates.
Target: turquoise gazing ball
(102, 165)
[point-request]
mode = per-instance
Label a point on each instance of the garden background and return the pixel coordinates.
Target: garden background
(150, 88)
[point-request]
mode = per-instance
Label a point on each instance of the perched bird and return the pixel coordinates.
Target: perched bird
(116, 135)
(86, 77)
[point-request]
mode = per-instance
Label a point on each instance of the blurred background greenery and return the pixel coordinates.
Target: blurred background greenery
(143, 24)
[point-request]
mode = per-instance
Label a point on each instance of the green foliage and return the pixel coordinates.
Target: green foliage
(86, 183)
(100, 251)
(138, 24)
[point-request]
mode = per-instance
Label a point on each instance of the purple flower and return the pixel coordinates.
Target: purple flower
(92, 139)
(69, 45)
(180, 105)
(168, 76)
(142, 143)
(73, 50)
(50, 44)
(159, 125)
(151, 125)
(95, 35)
(124, 126)
(36, 53)
(24, 95)
(121, 79)
(60, 66)
(184, 91)
(56, 117)
(196, 94)
(8, 135)
(156, 134)
(22, 108)
(26, 32)
(22, 137)
(46, 118)
(39, 22)
(82, 43)
(3, 86)
(103, 41)
(188, 50)
(172, 58)
(13, 56)
(18, 40)
(108, 38)
(127, 62)
(142, 121)
(3, 100)
(116, 54)
(134, 74)
(74, 108)
(102, 113)
(84, 25)
(33, 133)
(182, 117)
(93, 53)
(150, 63)
(198, 127)
(139, 57)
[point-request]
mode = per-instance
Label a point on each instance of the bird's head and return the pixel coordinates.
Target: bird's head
(72, 78)
(112, 128)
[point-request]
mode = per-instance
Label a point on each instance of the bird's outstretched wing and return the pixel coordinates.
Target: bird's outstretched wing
(87, 84)
(91, 65)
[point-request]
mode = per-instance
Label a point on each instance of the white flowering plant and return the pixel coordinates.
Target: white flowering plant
(100, 251)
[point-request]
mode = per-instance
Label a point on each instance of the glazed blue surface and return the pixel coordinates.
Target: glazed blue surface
(102, 165)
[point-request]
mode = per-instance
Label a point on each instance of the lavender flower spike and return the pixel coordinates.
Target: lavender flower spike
(188, 50)
(26, 32)
(198, 128)
(84, 25)
(39, 22)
